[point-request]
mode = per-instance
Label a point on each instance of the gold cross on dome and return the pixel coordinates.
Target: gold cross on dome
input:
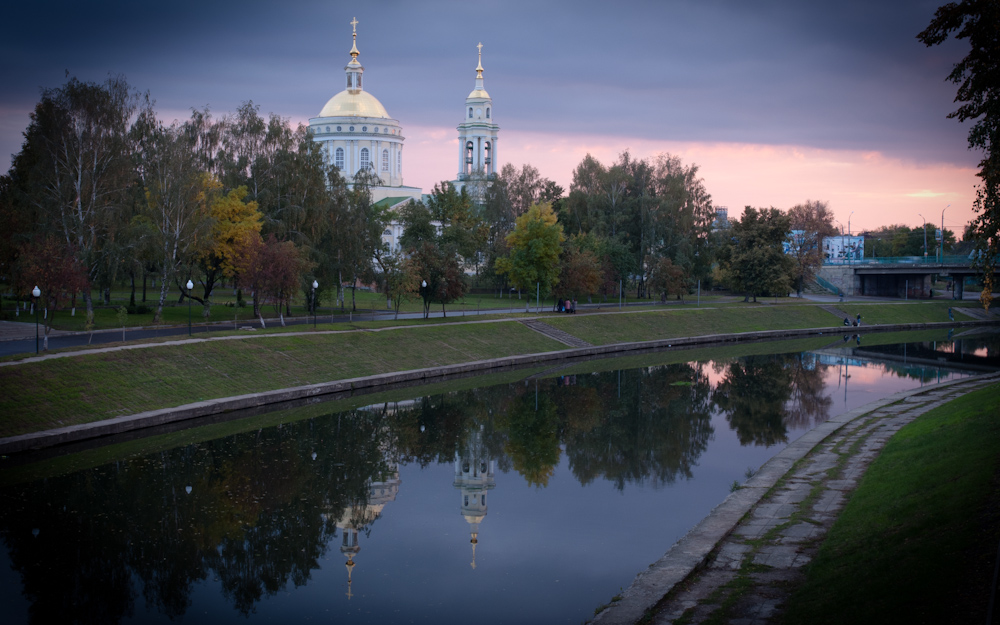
(480, 46)
(354, 23)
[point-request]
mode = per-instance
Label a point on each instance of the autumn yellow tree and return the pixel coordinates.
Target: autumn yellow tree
(535, 245)
(233, 219)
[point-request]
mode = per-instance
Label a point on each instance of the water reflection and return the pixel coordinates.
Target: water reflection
(258, 513)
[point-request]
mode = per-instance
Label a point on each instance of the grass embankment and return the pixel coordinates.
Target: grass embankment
(65, 391)
(727, 318)
(918, 539)
(81, 389)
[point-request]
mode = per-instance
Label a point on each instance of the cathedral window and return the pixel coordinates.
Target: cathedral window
(328, 129)
(470, 112)
(487, 112)
(385, 160)
(351, 128)
(364, 129)
(338, 158)
(364, 158)
(338, 128)
(348, 81)
(376, 128)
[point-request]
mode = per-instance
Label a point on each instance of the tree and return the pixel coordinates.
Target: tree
(811, 222)
(579, 272)
(78, 150)
(755, 260)
(232, 219)
(535, 245)
(178, 196)
(667, 278)
(270, 269)
(978, 77)
(55, 268)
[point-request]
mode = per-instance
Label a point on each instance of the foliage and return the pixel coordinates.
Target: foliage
(535, 245)
(270, 269)
(55, 268)
(579, 272)
(755, 260)
(668, 279)
(978, 78)
(811, 222)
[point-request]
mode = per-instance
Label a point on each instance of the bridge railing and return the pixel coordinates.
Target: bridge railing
(902, 260)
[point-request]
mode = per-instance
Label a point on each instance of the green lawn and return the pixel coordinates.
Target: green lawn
(48, 394)
(692, 321)
(917, 541)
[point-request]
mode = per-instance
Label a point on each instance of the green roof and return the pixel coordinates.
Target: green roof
(391, 201)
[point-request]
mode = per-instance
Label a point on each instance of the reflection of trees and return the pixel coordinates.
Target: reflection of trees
(808, 405)
(533, 436)
(258, 515)
(753, 395)
(654, 423)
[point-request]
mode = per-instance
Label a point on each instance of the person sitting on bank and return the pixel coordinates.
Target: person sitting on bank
(847, 321)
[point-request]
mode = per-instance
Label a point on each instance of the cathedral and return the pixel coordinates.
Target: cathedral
(356, 132)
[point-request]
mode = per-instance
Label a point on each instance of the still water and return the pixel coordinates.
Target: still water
(532, 501)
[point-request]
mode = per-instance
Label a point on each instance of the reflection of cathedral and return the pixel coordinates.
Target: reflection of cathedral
(359, 517)
(473, 477)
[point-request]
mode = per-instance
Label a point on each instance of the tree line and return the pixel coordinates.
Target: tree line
(103, 193)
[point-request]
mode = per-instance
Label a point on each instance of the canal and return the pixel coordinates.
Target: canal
(531, 496)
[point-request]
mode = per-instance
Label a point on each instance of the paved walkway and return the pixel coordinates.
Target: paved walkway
(555, 333)
(741, 563)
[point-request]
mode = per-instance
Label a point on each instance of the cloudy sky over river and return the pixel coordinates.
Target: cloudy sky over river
(778, 101)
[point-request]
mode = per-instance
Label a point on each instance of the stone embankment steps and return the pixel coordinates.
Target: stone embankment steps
(741, 563)
(555, 334)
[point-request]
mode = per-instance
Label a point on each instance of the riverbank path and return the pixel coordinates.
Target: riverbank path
(740, 564)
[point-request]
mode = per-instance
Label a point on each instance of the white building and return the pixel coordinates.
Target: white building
(477, 134)
(357, 133)
(842, 248)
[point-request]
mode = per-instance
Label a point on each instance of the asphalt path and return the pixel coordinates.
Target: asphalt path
(19, 338)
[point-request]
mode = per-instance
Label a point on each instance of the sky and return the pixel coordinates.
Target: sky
(776, 101)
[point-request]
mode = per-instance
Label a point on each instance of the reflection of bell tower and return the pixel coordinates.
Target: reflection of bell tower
(473, 477)
(359, 516)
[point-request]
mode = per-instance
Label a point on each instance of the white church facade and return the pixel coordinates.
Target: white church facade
(356, 133)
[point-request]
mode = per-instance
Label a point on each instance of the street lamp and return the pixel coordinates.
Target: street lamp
(851, 256)
(423, 294)
(36, 292)
(315, 286)
(942, 232)
(925, 236)
(190, 285)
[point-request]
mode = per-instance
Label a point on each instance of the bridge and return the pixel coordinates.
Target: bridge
(897, 276)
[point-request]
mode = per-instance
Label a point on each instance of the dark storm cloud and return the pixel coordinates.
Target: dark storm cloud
(845, 75)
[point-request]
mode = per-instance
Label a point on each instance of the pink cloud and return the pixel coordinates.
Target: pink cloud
(878, 189)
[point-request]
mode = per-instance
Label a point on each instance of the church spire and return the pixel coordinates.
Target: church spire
(479, 68)
(354, 44)
(354, 68)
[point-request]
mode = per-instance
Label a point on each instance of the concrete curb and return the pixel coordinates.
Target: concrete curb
(118, 425)
(692, 551)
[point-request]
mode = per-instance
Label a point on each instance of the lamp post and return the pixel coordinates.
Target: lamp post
(925, 236)
(190, 285)
(849, 258)
(942, 232)
(36, 293)
(423, 295)
(315, 286)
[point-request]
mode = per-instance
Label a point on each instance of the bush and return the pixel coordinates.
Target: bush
(139, 309)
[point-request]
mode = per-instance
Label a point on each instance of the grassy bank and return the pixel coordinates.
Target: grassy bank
(918, 539)
(81, 389)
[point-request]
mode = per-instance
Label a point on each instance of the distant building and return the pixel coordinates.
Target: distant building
(843, 248)
(721, 217)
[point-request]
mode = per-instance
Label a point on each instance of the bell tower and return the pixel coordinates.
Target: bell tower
(477, 134)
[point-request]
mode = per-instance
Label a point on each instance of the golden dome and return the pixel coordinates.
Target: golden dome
(354, 104)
